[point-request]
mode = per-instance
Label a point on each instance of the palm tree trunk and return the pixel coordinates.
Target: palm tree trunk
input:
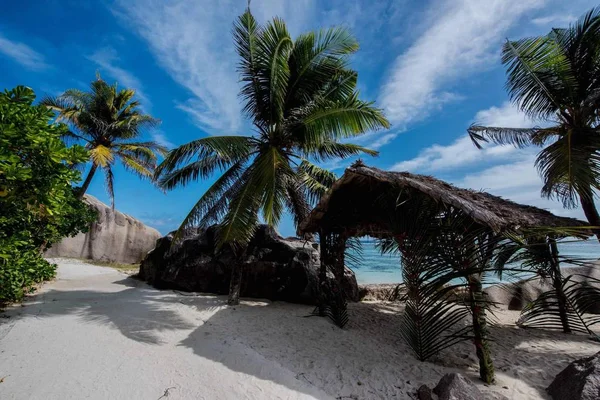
(589, 208)
(235, 285)
(486, 365)
(558, 286)
(87, 181)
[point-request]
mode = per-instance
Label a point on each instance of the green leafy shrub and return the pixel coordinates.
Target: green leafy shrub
(38, 206)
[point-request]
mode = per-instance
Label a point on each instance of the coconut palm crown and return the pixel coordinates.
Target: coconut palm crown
(556, 78)
(301, 98)
(109, 122)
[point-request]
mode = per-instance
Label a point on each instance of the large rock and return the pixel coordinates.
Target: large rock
(114, 237)
(456, 387)
(274, 268)
(515, 296)
(579, 381)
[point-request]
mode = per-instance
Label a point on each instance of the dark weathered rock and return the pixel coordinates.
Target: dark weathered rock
(273, 267)
(579, 381)
(456, 387)
(424, 393)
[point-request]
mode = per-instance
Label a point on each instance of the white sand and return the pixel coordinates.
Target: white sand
(96, 334)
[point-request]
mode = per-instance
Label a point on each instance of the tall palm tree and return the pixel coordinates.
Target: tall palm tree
(301, 98)
(556, 78)
(108, 121)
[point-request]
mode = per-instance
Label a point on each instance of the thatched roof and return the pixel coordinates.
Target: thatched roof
(349, 205)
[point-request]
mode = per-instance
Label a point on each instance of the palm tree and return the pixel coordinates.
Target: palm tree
(301, 98)
(556, 78)
(109, 122)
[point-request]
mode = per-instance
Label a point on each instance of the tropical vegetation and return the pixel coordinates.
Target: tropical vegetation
(446, 260)
(108, 122)
(37, 203)
(553, 79)
(300, 96)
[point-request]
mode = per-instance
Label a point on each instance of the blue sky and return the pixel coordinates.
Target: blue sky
(433, 66)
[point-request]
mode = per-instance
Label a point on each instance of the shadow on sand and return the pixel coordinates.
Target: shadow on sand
(368, 359)
(139, 313)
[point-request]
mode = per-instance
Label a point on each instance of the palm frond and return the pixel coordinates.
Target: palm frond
(101, 155)
(213, 202)
(518, 137)
(275, 44)
(544, 312)
(569, 169)
(241, 219)
(254, 91)
(140, 167)
(229, 149)
(343, 119)
(202, 168)
(318, 66)
(296, 200)
(316, 180)
(331, 149)
(109, 179)
(275, 170)
(531, 67)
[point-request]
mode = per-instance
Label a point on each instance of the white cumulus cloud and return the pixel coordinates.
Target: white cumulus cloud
(462, 35)
(22, 54)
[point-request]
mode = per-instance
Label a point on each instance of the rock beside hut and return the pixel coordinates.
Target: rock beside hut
(580, 380)
(516, 295)
(275, 268)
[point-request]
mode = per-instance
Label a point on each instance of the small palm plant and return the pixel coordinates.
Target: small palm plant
(108, 121)
(554, 78)
(572, 293)
(445, 256)
(301, 98)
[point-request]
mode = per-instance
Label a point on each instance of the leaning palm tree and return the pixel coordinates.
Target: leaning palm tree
(555, 78)
(108, 122)
(301, 98)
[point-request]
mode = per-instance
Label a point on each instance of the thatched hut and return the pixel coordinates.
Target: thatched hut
(353, 208)
(367, 201)
(348, 207)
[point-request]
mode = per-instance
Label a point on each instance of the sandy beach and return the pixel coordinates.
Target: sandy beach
(95, 333)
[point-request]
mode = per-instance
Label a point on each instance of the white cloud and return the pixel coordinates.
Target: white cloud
(107, 58)
(22, 54)
(503, 177)
(507, 115)
(556, 19)
(159, 137)
(517, 181)
(457, 154)
(192, 41)
(462, 152)
(383, 140)
(462, 36)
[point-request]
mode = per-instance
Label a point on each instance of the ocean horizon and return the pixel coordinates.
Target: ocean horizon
(377, 268)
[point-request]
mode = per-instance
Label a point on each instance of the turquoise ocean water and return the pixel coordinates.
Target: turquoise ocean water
(377, 268)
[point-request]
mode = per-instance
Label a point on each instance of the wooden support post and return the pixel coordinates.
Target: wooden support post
(339, 258)
(324, 240)
(557, 282)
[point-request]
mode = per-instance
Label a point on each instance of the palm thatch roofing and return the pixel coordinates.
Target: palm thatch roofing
(351, 204)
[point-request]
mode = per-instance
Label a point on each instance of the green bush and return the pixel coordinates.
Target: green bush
(38, 205)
